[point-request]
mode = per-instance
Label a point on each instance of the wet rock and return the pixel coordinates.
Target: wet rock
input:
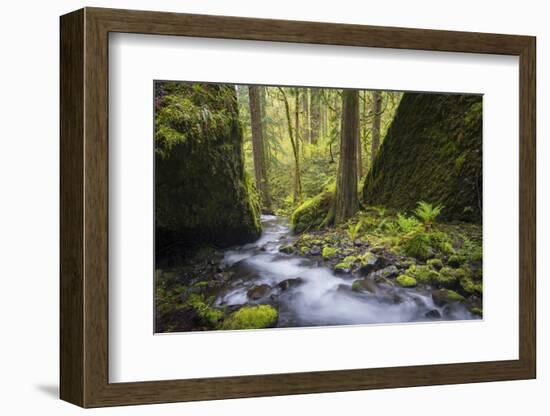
(258, 292)
(444, 296)
(341, 269)
(434, 314)
(262, 248)
(357, 243)
(369, 265)
(315, 251)
(287, 248)
(385, 273)
(290, 283)
(390, 297)
(364, 285)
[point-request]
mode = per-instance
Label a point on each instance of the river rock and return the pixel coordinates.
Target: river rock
(364, 285)
(370, 265)
(315, 251)
(258, 292)
(287, 248)
(357, 243)
(444, 296)
(385, 273)
(290, 283)
(434, 313)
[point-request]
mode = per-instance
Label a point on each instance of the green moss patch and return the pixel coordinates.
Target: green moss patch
(251, 317)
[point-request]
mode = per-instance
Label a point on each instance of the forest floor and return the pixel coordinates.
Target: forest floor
(379, 267)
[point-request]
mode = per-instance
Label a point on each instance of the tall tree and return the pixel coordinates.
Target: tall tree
(258, 148)
(315, 113)
(376, 114)
(346, 202)
(306, 127)
(294, 141)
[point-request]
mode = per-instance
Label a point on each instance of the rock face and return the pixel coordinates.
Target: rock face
(202, 194)
(432, 152)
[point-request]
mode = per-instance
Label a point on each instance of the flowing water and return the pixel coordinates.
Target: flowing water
(322, 297)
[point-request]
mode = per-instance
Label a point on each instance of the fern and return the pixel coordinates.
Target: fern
(354, 230)
(407, 224)
(427, 212)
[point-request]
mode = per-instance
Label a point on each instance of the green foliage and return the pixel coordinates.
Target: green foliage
(407, 224)
(354, 229)
(427, 212)
(207, 313)
(424, 245)
(251, 317)
(436, 264)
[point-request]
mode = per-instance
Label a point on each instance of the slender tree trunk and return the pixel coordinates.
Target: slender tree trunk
(258, 146)
(267, 149)
(295, 150)
(359, 155)
(376, 110)
(346, 199)
(315, 114)
(306, 129)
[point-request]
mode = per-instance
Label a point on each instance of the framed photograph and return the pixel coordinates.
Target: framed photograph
(260, 207)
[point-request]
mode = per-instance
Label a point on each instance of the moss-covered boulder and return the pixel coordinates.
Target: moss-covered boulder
(251, 317)
(311, 214)
(202, 194)
(432, 152)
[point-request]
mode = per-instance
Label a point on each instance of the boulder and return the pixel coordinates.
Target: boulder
(258, 292)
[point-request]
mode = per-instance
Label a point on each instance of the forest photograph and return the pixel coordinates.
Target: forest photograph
(285, 206)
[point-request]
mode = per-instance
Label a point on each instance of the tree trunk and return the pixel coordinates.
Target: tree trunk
(258, 146)
(376, 110)
(346, 200)
(315, 114)
(295, 150)
(306, 129)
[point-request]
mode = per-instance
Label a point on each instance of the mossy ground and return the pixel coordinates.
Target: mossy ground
(439, 256)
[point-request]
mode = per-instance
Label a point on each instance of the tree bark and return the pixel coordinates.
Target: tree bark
(346, 199)
(258, 146)
(315, 114)
(295, 150)
(376, 114)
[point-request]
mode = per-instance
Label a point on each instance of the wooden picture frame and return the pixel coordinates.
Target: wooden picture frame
(84, 207)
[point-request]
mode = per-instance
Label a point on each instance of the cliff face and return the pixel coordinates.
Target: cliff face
(432, 152)
(202, 194)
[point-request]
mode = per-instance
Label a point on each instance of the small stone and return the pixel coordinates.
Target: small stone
(357, 243)
(289, 283)
(258, 292)
(364, 285)
(434, 313)
(315, 250)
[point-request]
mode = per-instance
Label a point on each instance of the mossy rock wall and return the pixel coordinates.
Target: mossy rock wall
(202, 194)
(432, 152)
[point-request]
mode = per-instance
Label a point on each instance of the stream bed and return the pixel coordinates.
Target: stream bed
(307, 293)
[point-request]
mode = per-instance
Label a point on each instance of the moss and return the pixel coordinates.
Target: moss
(329, 252)
(201, 284)
(476, 311)
(423, 274)
(470, 286)
(454, 296)
(447, 277)
(202, 193)
(442, 134)
(406, 281)
(311, 214)
(209, 315)
(251, 317)
(365, 258)
(454, 261)
(304, 249)
(436, 264)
